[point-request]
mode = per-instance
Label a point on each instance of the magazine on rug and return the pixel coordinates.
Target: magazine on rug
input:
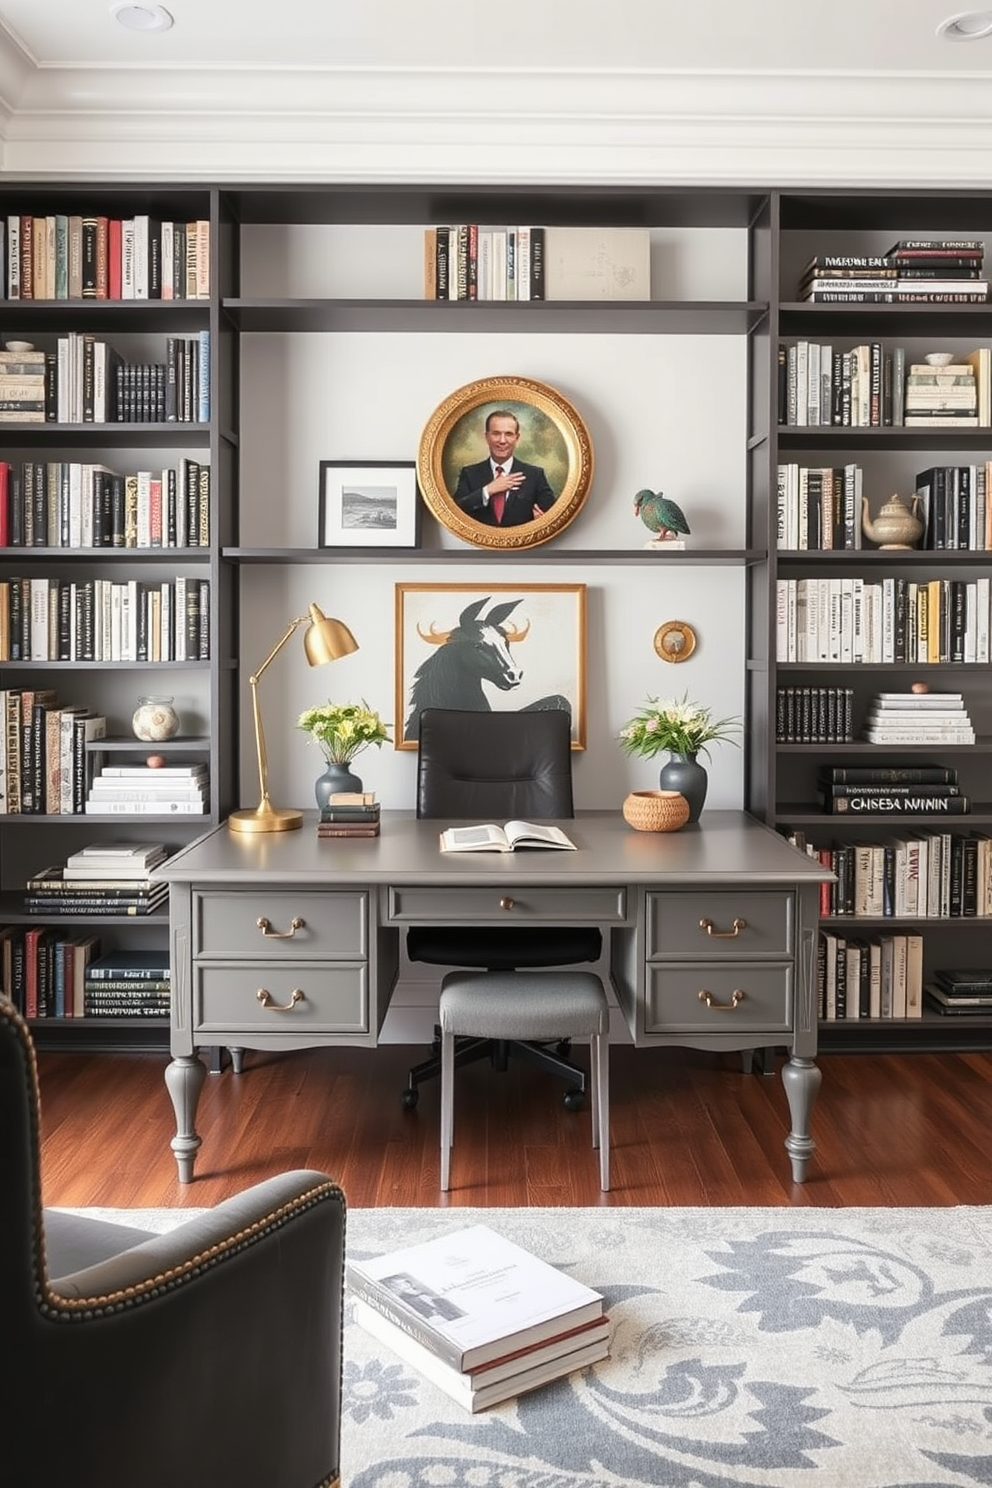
(473, 1296)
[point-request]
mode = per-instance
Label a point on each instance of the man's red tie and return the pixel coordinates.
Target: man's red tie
(499, 499)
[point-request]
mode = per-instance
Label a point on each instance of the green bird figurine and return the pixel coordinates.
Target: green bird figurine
(660, 515)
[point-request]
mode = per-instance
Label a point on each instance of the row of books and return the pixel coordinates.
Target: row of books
(45, 619)
(95, 383)
(820, 508)
(47, 753)
(84, 256)
(49, 973)
(910, 875)
(478, 1316)
(72, 504)
(928, 271)
(474, 261)
(136, 790)
(869, 386)
(929, 621)
(869, 977)
(814, 715)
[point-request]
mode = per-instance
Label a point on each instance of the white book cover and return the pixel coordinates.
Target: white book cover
(597, 263)
(473, 1295)
(143, 808)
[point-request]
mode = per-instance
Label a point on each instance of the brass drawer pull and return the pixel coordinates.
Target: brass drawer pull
(506, 903)
(296, 923)
(265, 998)
(737, 997)
(734, 930)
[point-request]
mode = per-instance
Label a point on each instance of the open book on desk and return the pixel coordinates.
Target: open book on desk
(490, 838)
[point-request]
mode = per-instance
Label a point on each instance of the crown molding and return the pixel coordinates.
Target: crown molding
(361, 124)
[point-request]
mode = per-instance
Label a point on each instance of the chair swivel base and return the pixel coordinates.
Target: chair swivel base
(469, 1049)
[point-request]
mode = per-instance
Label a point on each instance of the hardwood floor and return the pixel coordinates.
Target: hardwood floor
(688, 1129)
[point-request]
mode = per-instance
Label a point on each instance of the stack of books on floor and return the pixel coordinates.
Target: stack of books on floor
(919, 718)
(480, 1317)
(127, 984)
(141, 790)
(349, 814)
(103, 878)
(934, 271)
(961, 992)
(891, 790)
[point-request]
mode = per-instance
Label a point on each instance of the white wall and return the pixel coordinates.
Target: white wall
(664, 412)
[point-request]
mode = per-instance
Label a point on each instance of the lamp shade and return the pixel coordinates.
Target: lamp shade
(326, 639)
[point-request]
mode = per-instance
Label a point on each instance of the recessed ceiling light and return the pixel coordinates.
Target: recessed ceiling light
(142, 17)
(971, 25)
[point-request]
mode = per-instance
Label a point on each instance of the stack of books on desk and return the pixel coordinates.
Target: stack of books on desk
(349, 814)
(480, 1317)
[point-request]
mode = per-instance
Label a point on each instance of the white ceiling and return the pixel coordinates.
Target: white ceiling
(841, 36)
(755, 90)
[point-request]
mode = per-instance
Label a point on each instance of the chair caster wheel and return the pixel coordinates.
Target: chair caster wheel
(573, 1100)
(409, 1099)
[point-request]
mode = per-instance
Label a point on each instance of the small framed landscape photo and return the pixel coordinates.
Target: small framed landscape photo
(368, 504)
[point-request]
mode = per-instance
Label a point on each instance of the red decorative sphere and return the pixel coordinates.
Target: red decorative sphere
(155, 761)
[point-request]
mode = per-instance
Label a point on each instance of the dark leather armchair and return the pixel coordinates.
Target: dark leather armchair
(208, 1356)
(496, 767)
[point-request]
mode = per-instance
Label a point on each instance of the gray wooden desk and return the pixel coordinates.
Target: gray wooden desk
(284, 941)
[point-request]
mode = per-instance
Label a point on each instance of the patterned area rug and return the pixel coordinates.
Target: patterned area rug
(753, 1347)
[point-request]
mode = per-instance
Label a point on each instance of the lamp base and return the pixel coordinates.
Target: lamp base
(266, 818)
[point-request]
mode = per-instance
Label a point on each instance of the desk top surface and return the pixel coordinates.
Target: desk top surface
(724, 846)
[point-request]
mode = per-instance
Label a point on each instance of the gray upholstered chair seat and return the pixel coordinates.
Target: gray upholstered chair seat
(523, 1006)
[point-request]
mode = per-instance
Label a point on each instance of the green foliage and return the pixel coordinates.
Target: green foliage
(344, 729)
(680, 727)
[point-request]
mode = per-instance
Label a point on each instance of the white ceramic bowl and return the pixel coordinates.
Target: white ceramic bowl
(20, 345)
(940, 358)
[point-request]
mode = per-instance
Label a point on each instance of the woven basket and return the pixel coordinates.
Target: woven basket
(656, 811)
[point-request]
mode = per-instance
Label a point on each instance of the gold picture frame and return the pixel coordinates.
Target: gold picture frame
(488, 624)
(553, 441)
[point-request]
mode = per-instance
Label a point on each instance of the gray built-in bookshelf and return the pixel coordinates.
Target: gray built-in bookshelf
(782, 230)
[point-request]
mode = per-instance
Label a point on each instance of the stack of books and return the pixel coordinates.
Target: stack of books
(127, 984)
(957, 992)
(111, 878)
(480, 1317)
(890, 790)
(938, 396)
(919, 718)
(22, 385)
(141, 790)
(349, 814)
(913, 271)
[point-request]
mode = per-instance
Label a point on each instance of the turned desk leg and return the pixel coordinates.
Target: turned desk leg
(184, 1079)
(801, 1078)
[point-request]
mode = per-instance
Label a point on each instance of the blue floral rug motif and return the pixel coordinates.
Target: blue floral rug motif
(764, 1348)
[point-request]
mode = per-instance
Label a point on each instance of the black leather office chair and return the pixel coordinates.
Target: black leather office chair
(497, 767)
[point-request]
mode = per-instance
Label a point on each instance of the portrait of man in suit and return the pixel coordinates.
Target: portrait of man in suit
(502, 490)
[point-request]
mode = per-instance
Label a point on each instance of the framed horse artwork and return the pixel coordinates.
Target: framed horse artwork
(489, 648)
(505, 462)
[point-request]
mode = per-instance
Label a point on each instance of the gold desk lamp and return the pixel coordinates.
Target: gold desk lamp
(325, 640)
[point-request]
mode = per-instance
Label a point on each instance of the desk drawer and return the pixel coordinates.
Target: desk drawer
(335, 998)
(334, 924)
(673, 1003)
(586, 903)
(677, 923)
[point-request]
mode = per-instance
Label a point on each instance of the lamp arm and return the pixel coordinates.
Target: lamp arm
(253, 681)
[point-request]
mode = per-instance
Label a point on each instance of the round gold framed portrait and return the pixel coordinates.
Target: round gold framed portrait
(544, 444)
